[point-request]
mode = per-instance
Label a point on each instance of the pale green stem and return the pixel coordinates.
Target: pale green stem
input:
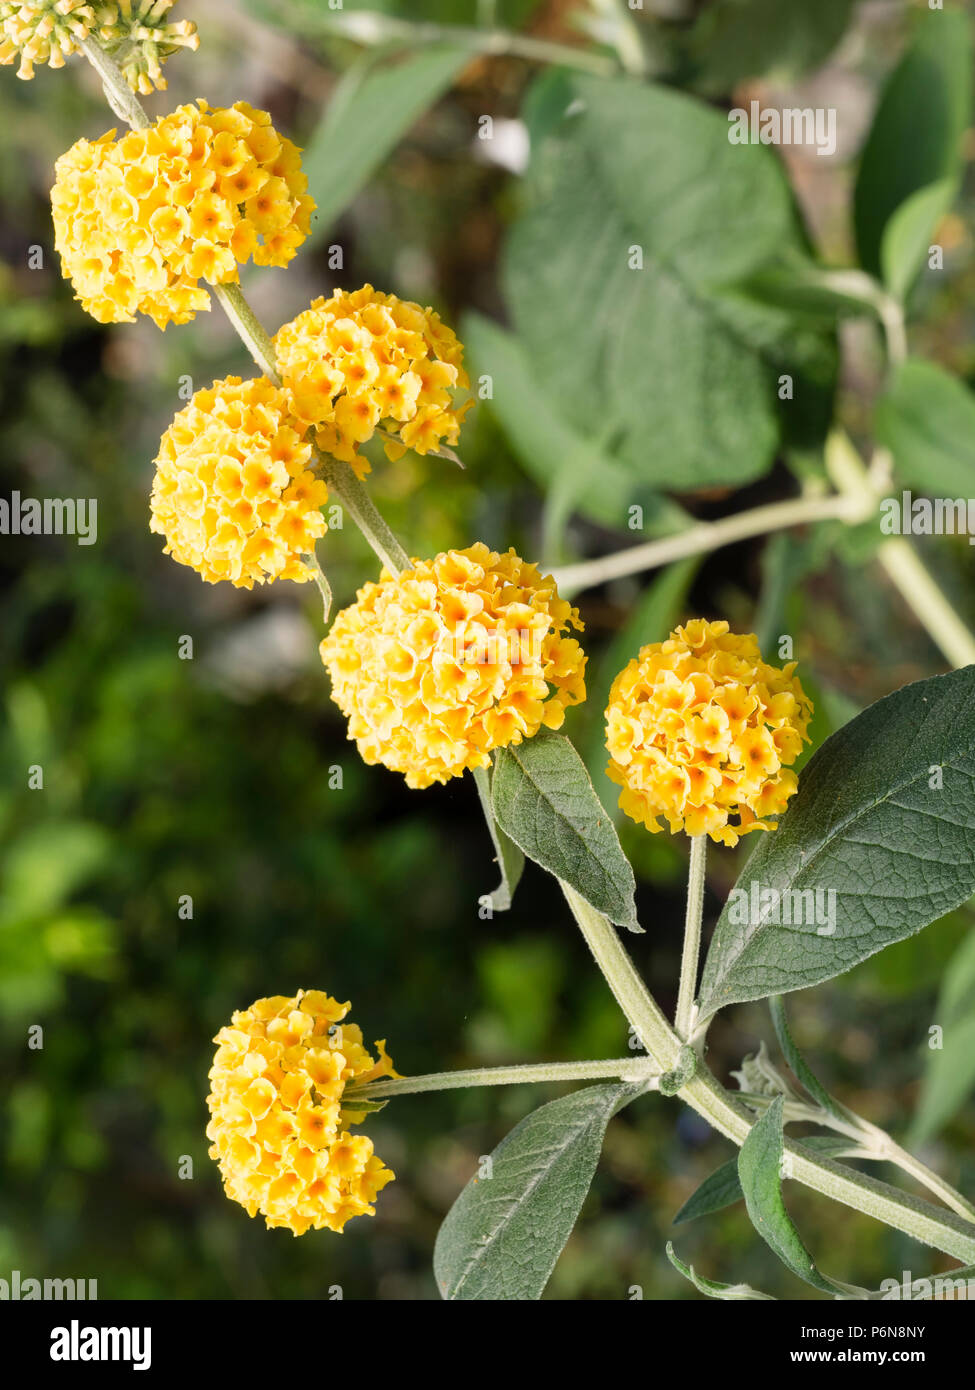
(369, 27)
(943, 1230)
(619, 29)
(118, 93)
(913, 581)
(684, 1018)
(635, 1069)
(354, 498)
(324, 588)
(357, 500)
(888, 309)
(869, 1142)
(705, 536)
(248, 328)
(904, 567)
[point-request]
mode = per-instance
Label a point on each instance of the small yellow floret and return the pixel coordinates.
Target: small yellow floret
(360, 362)
(699, 728)
(462, 654)
(278, 1126)
(43, 31)
(141, 220)
(135, 33)
(233, 492)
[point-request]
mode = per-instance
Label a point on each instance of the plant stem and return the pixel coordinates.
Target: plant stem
(705, 537)
(617, 1069)
(339, 476)
(324, 588)
(944, 1230)
(684, 1018)
(869, 1142)
(913, 581)
(368, 27)
(901, 562)
(118, 93)
(357, 501)
(248, 328)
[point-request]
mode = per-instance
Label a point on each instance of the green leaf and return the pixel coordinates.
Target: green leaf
(577, 466)
(712, 1287)
(759, 1164)
(543, 799)
(509, 857)
(926, 418)
(867, 826)
(504, 1233)
(810, 1081)
(950, 1074)
(907, 236)
(916, 137)
(371, 111)
(723, 1187)
(638, 166)
(737, 39)
(796, 283)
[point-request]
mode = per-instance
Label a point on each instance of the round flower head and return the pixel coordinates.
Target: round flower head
(140, 221)
(45, 31)
(233, 494)
(700, 729)
(460, 655)
(278, 1126)
(360, 362)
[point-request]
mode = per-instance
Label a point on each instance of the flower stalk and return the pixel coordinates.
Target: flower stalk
(684, 1018)
(635, 1069)
(943, 1230)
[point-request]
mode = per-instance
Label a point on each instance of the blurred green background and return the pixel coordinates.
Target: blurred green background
(210, 777)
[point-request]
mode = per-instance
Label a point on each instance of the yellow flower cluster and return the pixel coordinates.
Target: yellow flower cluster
(278, 1125)
(700, 728)
(135, 32)
(462, 654)
(140, 38)
(43, 32)
(364, 361)
(233, 494)
(141, 220)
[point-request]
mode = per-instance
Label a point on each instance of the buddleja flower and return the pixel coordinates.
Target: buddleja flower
(360, 362)
(278, 1126)
(45, 31)
(700, 729)
(140, 221)
(138, 35)
(462, 654)
(232, 493)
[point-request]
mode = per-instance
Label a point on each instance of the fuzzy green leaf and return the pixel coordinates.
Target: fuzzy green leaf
(759, 1165)
(504, 1233)
(884, 819)
(544, 801)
